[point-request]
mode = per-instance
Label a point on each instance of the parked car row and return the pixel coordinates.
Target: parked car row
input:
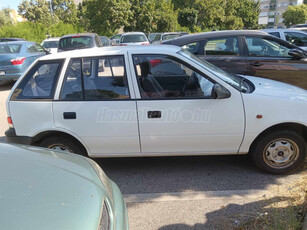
(99, 101)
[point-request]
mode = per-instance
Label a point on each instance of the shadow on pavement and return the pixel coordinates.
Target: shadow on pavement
(6, 85)
(234, 216)
(185, 174)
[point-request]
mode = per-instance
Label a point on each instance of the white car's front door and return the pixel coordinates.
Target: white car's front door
(94, 104)
(177, 113)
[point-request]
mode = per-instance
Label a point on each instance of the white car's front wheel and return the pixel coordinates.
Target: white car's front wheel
(280, 152)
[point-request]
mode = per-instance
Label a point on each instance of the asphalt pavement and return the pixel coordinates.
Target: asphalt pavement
(201, 192)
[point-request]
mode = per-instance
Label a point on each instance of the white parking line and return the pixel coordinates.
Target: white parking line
(184, 196)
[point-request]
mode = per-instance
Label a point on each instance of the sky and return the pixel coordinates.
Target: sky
(13, 4)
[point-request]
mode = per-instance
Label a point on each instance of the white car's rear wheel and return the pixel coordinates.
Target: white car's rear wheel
(280, 152)
(63, 144)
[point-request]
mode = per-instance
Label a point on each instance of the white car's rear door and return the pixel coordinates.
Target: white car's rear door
(94, 104)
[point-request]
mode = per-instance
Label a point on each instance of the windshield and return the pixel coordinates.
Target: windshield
(9, 48)
(76, 42)
(50, 44)
(231, 79)
(133, 38)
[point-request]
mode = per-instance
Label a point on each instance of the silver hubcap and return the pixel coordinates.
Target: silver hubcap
(60, 147)
(280, 153)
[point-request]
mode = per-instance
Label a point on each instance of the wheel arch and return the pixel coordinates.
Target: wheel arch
(297, 127)
(51, 133)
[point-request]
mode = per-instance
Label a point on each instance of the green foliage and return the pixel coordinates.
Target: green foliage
(36, 31)
(249, 12)
(28, 30)
(166, 17)
(295, 15)
(188, 18)
(141, 17)
(36, 11)
(107, 16)
(5, 18)
(65, 10)
(151, 16)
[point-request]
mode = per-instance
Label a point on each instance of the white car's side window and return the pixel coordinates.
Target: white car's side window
(160, 76)
(40, 82)
(100, 78)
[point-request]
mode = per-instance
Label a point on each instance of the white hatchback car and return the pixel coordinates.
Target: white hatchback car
(156, 101)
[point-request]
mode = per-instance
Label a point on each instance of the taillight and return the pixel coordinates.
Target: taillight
(122, 44)
(145, 43)
(18, 61)
(9, 120)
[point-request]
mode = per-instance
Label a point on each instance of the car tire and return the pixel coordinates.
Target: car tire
(63, 144)
(280, 152)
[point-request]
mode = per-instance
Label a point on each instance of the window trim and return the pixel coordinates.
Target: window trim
(179, 61)
(82, 82)
(31, 72)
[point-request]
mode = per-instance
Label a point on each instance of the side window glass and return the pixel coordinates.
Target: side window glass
(39, 82)
(39, 48)
(102, 79)
(31, 49)
(192, 47)
(222, 46)
(261, 47)
(160, 76)
(105, 78)
(297, 39)
(275, 34)
(72, 86)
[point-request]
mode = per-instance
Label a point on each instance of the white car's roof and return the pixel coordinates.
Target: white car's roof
(112, 50)
(52, 39)
(283, 30)
(128, 33)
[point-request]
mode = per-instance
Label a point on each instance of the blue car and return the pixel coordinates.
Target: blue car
(16, 56)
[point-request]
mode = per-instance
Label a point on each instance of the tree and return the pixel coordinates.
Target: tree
(249, 12)
(5, 18)
(65, 10)
(165, 17)
(107, 16)
(295, 15)
(142, 16)
(188, 18)
(36, 11)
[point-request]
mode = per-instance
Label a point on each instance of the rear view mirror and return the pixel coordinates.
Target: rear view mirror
(296, 54)
(220, 92)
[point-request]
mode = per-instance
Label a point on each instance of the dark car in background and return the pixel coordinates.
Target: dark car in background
(15, 58)
(79, 41)
(11, 39)
(247, 52)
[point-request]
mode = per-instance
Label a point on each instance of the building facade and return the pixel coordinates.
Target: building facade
(272, 10)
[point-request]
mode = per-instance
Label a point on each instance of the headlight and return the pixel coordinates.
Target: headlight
(103, 177)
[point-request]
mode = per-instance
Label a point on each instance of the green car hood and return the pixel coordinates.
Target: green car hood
(42, 189)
